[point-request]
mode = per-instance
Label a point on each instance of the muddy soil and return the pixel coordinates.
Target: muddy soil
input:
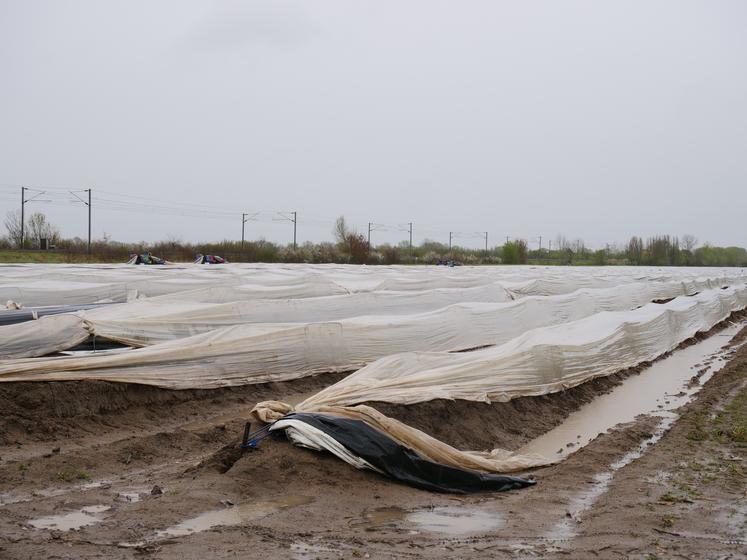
(101, 470)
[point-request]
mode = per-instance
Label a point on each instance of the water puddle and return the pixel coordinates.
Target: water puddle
(446, 520)
(235, 515)
(455, 520)
(7, 498)
(664, 386)
(584, 500)
(657, 391)
(88, 515)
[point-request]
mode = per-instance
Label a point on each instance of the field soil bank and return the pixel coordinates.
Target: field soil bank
(101, 470)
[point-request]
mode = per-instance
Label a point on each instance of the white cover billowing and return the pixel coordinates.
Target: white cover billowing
(540, 361)
(259, 353)
(151, 321)
(41, 337)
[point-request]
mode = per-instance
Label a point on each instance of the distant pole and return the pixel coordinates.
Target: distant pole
(451, 233)
(540, 243)
(89, 221)
(23, 204)
(369, 237)
(295, 220)
(243, 223)
(486, 242)
(410, 236)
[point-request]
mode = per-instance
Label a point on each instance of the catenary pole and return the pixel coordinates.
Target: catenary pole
(295, 221)
(89, 221)
(23, 217)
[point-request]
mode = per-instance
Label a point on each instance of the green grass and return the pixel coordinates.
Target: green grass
(68, 475)
(8, 256)
(731, 423)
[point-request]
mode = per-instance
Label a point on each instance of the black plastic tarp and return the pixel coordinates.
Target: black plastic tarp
(404, 464)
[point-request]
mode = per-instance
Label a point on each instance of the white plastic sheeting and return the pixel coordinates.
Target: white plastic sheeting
(189, 312)
(41, 337)
(151, 321)
(52, 292)
(541, 361)
(35, 285)
(259, 353)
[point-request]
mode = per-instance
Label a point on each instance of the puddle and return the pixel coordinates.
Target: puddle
(584, 500)
(88, 515)
(659, 388)
(455, 520)
(447, 520)
(7, 498)
(657, 391)
(235, 515)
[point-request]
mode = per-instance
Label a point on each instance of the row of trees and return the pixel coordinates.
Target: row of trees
(350, 246)
(664, 250)
(28, 233)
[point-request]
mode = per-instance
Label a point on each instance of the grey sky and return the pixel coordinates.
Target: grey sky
(593, 119)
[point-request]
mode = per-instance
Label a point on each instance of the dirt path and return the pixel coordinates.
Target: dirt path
(104, 447)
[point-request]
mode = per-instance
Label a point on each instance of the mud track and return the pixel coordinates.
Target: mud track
(151, 459)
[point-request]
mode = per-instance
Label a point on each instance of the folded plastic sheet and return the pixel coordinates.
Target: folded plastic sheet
(259, 353)
(363, 446)
(542, 361)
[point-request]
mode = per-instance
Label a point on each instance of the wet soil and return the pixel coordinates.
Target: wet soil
(159, 467)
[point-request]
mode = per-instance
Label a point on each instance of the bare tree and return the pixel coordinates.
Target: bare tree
(14, 226)
(689, 242)
(40, 228)
(341, 231)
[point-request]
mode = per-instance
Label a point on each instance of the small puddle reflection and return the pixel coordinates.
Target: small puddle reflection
(88, 515)
(7, 498)
(662, 387)
(235, 515)
(447, 520)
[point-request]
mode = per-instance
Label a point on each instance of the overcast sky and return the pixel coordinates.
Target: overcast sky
(594, 119)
